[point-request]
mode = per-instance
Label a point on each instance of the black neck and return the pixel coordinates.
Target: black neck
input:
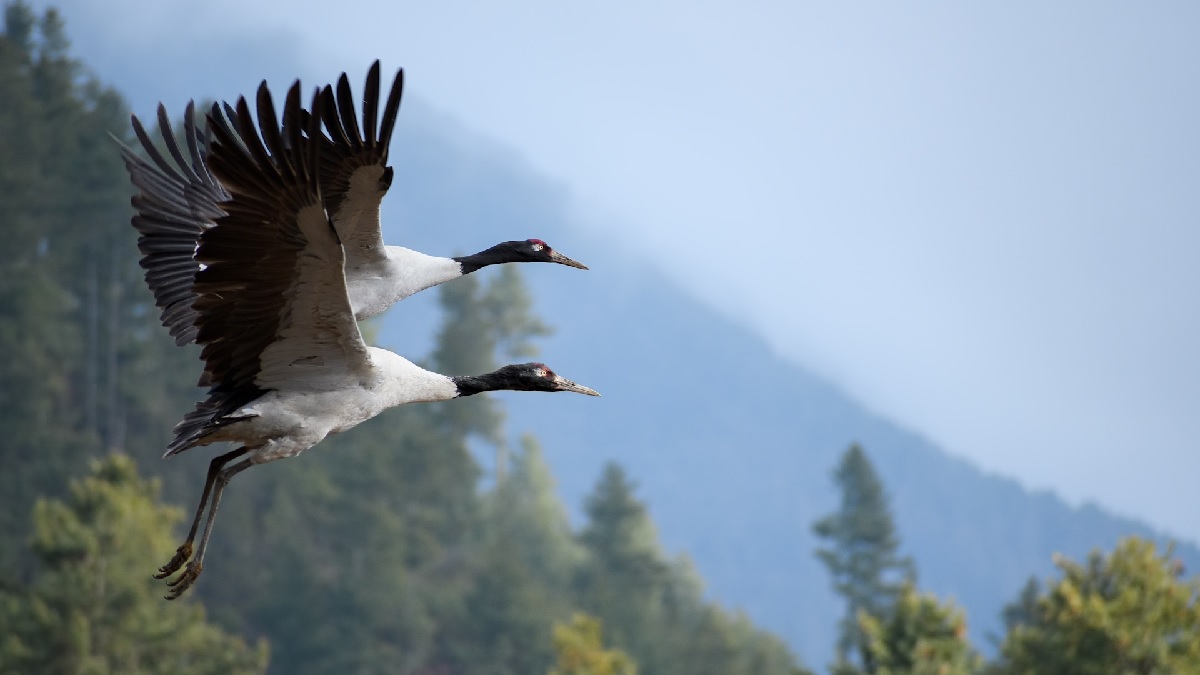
(496, 255)
(469, 385)
(508, 378)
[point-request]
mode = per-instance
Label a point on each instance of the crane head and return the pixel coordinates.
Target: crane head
(525, 250)
(519, 377)
(536, 250)
(539, 377)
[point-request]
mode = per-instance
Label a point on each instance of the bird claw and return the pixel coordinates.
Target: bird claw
(181, 556)
(185, 580)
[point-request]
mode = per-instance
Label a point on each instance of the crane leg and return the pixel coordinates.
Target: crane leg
(185, 550)
(196, 565)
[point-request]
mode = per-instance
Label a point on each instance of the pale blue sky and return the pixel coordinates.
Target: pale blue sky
(983, 220)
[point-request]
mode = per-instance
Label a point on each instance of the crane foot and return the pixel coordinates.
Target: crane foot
(181, 556)
(185, 580)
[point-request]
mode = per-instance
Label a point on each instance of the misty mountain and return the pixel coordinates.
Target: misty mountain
(733, 446)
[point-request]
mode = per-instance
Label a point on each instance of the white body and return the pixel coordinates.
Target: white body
(301, 413)
(377, 283)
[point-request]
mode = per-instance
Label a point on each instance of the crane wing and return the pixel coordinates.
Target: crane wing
(354, 171)
(272, 303)
(178, 200)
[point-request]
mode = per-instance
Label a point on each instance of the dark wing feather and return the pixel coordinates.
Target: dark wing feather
(354, 171)
(273, 289)
(178, 199)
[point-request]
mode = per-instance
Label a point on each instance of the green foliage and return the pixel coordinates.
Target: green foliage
(525, 510)
(619, 533)
(580, 650)
(74, 326)
(889, 626)
(862, 557)
(91, 608)
(1123, 613)
(920, 636)
(523, 569)
(624, 576)
(508, 614)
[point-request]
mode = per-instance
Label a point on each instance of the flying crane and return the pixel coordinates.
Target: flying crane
(180, 199)
(284, 360)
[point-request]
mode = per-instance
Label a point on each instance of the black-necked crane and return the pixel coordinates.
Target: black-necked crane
(283, 356)
(181, 199)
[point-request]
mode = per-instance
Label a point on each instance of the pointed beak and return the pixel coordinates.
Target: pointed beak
(561, 259)
(564, 384)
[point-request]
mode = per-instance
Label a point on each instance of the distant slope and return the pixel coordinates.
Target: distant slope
(732, 446)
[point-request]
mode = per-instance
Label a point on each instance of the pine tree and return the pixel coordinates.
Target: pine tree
(91, 608)
(919, 636)
(625, 572)
(523, 569)
(862, 557)
(1126, 612)
(653, 608)
(624, 578)
(524, 509)
(507, 617)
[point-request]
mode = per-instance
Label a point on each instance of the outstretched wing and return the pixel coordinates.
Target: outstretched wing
(354, 171)
(177, 201)
(272, 309)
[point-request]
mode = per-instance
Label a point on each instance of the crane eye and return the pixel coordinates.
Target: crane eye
(538, 244)
(541, 372)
